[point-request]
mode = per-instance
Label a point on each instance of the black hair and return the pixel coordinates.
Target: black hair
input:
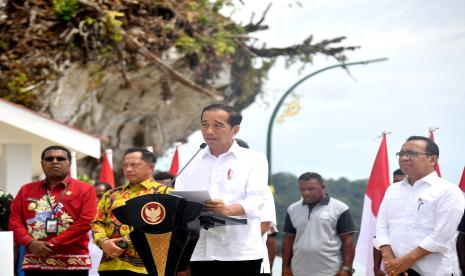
(235, 117)
(147, 155)
(105, 184)
(311, 175)
(398, 172)
(431, 147)
(241, 143)
(56, 147)
(163, 176)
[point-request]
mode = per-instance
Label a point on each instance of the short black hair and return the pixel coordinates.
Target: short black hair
(311, 175)
(431, 147)
(398, 172)
(241, 143)
(235, 117)
(163, 176)
(104, 184)
(147, 155)
(56, 147)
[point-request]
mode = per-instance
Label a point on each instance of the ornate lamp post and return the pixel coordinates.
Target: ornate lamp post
(289, 91)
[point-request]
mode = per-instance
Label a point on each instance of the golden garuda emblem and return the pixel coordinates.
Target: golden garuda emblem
(153, 213)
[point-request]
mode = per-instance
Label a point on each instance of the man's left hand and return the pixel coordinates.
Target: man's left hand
(343, 273)
(217, 206)
(397, 266)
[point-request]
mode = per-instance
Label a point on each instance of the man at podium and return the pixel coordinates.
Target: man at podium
(237, 181)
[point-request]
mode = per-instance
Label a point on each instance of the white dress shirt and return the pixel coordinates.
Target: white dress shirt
(238, 176)
(426, 215)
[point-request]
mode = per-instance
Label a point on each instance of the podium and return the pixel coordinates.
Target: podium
(162, 233)
(166, 229)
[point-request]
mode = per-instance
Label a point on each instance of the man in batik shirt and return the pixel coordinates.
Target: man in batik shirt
(52, 217)
(119, 255)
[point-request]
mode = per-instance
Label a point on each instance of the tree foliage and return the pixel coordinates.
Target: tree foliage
(39, 39)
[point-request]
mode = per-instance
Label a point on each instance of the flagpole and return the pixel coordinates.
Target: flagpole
(109, 153)
(431, 131)
(289, 91)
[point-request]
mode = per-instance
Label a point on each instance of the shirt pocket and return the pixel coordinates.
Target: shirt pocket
(326, 221)
(424, 212)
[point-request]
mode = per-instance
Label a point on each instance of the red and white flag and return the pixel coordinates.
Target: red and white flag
(106, 172)
(175, 163)
(431, 136)
(377, 185)
(462, 181)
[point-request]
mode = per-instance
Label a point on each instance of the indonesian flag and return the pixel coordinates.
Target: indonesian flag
(436, 167)
(462, 181)
(377, 185)
(106, 173)
(175, 163)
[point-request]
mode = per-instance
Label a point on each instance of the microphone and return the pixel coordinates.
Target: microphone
(202, 146)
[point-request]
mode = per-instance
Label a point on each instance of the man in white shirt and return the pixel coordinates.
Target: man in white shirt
(237, 181)
(418, 218)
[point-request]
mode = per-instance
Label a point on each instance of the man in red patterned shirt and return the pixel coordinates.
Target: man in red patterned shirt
(52, 217)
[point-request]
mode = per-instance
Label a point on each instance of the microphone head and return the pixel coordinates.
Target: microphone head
(203, 145)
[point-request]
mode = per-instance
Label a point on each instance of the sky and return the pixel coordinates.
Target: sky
(340, 116)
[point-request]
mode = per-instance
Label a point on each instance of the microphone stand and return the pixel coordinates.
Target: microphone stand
(202, 146)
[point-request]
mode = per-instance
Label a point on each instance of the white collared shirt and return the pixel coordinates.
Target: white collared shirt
(427, 215)
(238, 176)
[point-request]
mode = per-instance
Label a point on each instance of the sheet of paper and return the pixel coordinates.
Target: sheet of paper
(195, 196)
(6, 253)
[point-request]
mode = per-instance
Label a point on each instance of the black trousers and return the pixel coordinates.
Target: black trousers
(56, 273)
(226, 268)
(120, 273)
(411, 272)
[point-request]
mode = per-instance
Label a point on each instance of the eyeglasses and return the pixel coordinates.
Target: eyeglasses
(411, 154)
(52, 158)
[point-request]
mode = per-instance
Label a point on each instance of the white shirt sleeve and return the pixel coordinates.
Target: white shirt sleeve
(449, 212)
(256, 189)
(382, 225)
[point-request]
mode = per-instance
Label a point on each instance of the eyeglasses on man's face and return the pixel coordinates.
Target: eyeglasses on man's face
(53, 158)
(411, 154)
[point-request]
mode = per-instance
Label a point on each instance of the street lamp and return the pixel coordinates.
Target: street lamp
(289, 91)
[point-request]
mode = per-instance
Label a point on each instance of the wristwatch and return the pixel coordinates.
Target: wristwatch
(348, 269)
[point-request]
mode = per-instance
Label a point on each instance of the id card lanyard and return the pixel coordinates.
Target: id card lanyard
(54, 210)
(51, 223)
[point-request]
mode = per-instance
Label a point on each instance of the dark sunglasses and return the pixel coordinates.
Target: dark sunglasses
(51, 159)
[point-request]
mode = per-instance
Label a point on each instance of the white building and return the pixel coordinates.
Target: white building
(24, 134)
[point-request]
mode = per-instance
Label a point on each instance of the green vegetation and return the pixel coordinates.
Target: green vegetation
(65, 10)
(287, 192)
(71, 30)
(40, 38)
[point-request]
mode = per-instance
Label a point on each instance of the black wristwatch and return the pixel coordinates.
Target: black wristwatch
(123, 244)
(348, 269)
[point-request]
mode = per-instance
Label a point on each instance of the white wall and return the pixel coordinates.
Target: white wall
(15, 167)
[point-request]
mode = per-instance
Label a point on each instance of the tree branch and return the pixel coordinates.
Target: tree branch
(173, 73)
(305, 49)
(254, 27)
(156, 60)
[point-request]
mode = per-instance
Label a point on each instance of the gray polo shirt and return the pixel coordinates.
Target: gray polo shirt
(317, 245)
